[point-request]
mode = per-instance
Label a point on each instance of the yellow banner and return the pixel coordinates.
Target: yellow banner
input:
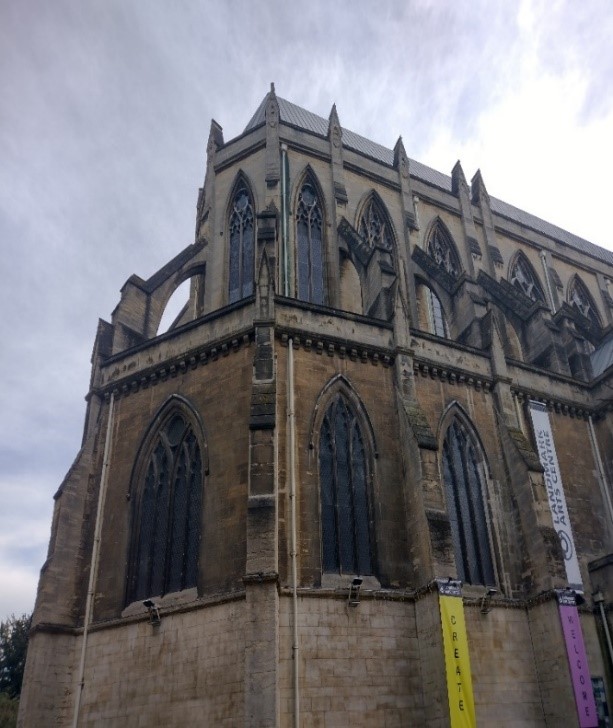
(457, 663)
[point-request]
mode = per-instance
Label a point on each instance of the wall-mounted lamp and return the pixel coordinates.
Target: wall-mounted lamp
(354, 592)
(486, 599)
(154, 611)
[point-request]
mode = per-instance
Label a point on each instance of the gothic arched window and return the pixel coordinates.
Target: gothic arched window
(241, 226)
(166, 532)
(579, 297)
(442, 249)
(464, 490)
(309, 236)
(343, 476)
(374, 226)
(523, 277)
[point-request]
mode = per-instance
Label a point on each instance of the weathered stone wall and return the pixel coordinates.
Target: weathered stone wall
(358, 666)
(48, 685)
(189, 670)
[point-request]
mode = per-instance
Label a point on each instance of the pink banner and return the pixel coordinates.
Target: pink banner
(579, 670)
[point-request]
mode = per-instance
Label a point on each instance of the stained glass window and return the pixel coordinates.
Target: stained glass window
(167, 523)
(309, 224)
(345, 519)
(242, 252)
(524, 278)
(374, 226)
(465, 504)
(442, 249)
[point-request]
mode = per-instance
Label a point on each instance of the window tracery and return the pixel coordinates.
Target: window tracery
(579, 297)
(464, 489)
(374, 226)
(166, 535)
(523, 277)
(442, 249)
(345, 519)
(309, 227)
(241, 226)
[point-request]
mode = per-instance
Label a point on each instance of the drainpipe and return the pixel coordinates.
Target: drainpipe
(547, 281)
(291, 428)
(599, 599)
(93, 567)
(284, 220)
(606, 496)
(291, 424)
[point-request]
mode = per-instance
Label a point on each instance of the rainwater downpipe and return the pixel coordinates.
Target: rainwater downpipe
(600, 468)
(599, 599)
(293, 545)
(93, 567)
(284, 220)
(291, 427)
(547, 281)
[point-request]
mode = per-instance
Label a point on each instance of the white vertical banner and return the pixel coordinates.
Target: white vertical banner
(555, 491)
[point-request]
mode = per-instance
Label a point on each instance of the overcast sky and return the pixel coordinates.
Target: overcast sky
(105, 107)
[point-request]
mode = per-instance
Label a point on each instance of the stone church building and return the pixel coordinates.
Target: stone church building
(384, 383)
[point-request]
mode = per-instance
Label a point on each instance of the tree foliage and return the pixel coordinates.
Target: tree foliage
(8, 711)
(13, 647)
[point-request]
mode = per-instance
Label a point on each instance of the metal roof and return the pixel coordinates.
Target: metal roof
(310, 122)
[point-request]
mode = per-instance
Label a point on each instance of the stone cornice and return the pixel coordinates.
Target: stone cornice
(170, 368)
(335, 346)
(454, 375)
(554, 404)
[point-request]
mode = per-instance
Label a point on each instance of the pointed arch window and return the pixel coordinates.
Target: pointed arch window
(166, 533)
(309, 236)
(523, 277)
(579, 297)
(464, 489)
(442, 249)
(431, 312)
(241, 226)
(343, 475)
(374, 226)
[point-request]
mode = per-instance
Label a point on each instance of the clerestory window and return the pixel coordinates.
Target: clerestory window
(464, 489)
(442, 249)
(343, 475)
(241, 226)
(579, 297)
(166, 533)
(309, 235)
(374, 226)
(523, 277)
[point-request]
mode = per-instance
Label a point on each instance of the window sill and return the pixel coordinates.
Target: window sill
(168, 601)
(343, 581)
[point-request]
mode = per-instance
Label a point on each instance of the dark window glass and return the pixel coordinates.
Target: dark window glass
(310, 245)
(524, 278)
(345, 519)
(442, 249)
(167, 530)
(465, 504)
(241, 246)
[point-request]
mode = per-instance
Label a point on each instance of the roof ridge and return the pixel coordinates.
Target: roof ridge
(298, 116)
